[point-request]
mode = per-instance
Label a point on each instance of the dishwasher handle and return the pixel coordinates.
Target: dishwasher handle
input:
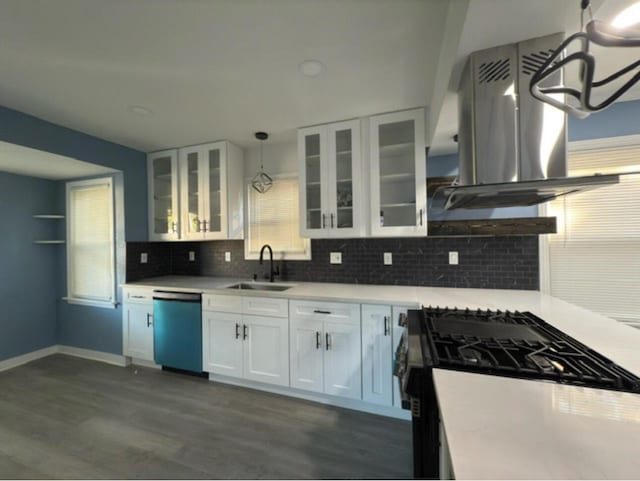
(177, 296)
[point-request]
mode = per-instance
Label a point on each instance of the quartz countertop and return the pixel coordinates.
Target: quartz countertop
(499, 427)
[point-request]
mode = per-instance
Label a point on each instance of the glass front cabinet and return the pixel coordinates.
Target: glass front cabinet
(330, 180)
(162, 170)
(398, 174)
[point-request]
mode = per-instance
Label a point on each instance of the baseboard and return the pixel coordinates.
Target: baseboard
(115, 359)
(28, 357)
(355, 404)
(143, 362)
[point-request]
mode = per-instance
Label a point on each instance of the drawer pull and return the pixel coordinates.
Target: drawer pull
(138, 297)
(149, 322)
(327, 341)
(386, 325)
(321, 312)
(317, 340)
(244, 331)
(237, 331)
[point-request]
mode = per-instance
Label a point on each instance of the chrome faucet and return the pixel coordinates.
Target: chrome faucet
(272, 272)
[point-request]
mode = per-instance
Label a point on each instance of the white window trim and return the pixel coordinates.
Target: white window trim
(113, 304)
(303, 256)
(621, 141)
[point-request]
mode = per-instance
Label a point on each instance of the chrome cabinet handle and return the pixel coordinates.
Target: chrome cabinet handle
(244, 331)
(386, 325)
(317, 340)
(327, 341)
(237, 330)
(149, 322)
(332, 221)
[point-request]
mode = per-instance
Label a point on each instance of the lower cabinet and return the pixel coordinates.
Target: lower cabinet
(377, 354)
(249, 347)
(138, 331)
(325, 348)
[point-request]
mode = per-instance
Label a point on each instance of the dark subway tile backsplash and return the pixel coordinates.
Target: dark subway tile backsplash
(509, 262)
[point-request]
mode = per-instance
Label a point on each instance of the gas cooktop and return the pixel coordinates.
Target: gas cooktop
(515, 344)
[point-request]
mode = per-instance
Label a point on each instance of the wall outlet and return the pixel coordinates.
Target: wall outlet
(227, 256)
(453, 257)
(388, 258)
(144, 258)
(335, 257)
(192, 256)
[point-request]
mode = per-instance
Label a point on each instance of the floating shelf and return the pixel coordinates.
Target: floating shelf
(48, 216)
(49, 242)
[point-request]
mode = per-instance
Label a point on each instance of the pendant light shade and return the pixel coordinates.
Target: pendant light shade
(262, 181)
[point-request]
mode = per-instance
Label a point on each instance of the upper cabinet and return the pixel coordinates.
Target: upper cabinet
(196, 193)
(331, 180)
(398, 174)
(211, 187)
(162, 171)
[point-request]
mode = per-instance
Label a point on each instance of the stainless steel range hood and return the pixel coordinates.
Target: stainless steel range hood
(512, 147)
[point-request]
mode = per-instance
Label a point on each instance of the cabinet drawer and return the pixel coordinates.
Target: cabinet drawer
(325, 311)
(137, 295)
(265, 306)
(222, 303)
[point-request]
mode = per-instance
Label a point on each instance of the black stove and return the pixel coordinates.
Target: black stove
(501, 343)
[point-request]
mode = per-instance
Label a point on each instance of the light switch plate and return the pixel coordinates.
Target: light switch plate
(227, 256)
(453, 257)
(335, 257)
(388, 258)
(144, 258)
(192, 256)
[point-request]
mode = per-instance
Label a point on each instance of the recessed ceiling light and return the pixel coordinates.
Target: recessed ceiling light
(311, 68)
(628, 17)
(140, 110)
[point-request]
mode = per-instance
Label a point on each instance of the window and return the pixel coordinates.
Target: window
(594, 260)
(273, 218)
(90, 243)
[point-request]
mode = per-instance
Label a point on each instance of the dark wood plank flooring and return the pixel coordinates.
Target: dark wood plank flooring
(62, 417)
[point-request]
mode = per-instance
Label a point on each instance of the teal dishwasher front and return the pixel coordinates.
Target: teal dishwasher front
(177, 330)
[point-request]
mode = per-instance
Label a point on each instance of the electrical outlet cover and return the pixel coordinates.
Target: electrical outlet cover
(388, 258)
(335, 258)
(227, 256)
(453, 257)
(144, 258)
(192, 256)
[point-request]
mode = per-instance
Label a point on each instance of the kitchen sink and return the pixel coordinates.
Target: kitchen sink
(254, 286)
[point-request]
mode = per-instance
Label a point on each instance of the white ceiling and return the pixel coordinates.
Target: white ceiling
(20, 160)
(213, 70)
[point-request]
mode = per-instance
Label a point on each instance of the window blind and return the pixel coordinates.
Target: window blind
(90, 241)
(595, 257)
(273, 218)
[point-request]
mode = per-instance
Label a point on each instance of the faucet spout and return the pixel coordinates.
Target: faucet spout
(272, 272)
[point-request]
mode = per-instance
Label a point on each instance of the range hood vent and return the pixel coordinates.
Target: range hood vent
(512, 148)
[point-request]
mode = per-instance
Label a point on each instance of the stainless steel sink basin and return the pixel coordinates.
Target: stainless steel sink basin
(255, 286)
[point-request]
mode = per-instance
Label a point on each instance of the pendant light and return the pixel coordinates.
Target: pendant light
(598, 33)
(262, 181)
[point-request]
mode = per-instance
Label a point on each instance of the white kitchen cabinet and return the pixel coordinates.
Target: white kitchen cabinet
(253, 347)
(222, 343)
(163, 202)
(325, 348)
(138, 330)
(266, 349)
(329, 158)
(211, 191)
(397, 312)
(398, 178)
(377, 354)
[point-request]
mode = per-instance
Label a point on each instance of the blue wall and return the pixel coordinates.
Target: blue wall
(28, 280)
(82, 326)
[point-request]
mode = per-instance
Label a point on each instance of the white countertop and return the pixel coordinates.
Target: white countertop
(501, 427)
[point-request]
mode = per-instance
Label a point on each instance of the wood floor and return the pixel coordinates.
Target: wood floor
(63, 417)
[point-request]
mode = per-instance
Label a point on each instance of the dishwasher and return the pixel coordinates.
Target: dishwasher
(177, 330)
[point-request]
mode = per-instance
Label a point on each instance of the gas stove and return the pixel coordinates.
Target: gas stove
(500, 343)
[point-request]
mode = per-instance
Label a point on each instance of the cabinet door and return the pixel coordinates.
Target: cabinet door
(312, 162)
(266, 349)
(190, 168)
(222, 343)
(344, 179)
(377, 356)
(306, 354)
(214, 187)
(139, 331)
(162, 172)
(342, 362)
(398, 174)
(396, 335)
